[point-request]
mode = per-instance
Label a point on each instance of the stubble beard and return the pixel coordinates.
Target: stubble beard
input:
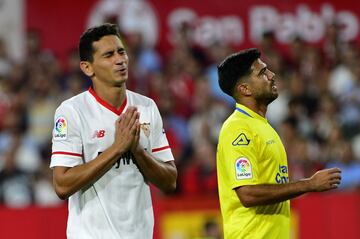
(122, 82)
(267, 98)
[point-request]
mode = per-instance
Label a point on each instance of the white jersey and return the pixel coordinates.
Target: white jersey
(118, 205)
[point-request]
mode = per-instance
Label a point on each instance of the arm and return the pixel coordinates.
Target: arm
(162, 174)
(67, 180)
(255, 195)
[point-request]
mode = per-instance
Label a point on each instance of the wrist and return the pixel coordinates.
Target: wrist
(116, 151)
(138, 151)
(307, 185)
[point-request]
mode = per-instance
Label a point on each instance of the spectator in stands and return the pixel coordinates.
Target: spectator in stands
(18, 159)
(199, 175)
(212, 230)
(350, 167)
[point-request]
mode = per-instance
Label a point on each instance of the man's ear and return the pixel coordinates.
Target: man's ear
(86, 67)
(244, 89)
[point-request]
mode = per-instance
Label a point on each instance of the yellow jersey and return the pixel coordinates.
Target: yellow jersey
(250, 152)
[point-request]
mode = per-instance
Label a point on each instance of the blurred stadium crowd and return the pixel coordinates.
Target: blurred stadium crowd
(317, 113)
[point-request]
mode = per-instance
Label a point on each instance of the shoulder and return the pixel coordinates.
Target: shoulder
(139, 100)
(74, 103)
(237, 126)
(236, 122)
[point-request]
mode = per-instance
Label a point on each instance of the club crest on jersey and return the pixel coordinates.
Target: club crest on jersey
(243, 169)
(60, 128)
(145, 127)
(241, 139)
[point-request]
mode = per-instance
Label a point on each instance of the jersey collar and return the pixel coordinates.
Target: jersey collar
(106, 105)
(246, 111)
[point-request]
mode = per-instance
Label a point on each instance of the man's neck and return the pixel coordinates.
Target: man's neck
(114, 96)
(260, 109)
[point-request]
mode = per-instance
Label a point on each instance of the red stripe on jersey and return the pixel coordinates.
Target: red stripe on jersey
(159, 149)
(106, 105)
(67, 153)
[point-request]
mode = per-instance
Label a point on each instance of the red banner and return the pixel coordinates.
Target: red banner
(321, 216)
(239, 23)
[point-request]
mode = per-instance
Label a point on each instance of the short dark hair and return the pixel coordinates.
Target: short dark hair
(93, 34)
(235, 66)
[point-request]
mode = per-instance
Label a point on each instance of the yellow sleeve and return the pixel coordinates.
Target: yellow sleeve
(240, 156)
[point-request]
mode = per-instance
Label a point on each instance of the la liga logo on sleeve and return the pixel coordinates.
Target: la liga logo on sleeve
(60, 129)
(243, 168)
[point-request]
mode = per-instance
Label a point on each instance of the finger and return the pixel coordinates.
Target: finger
(134, 118)
(335, 181)
(125, 119)
(137, 134)
(336, 175)
(334, 170)
(129, 113)
(136, 129)
(121, 118)
(334, 186)
(130, 110)
(137, 125)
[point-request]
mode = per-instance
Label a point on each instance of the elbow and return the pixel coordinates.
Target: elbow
(246, 202)
(170, 179)
(244, 196)
(60, 183)
(170, 187)
(61, 193)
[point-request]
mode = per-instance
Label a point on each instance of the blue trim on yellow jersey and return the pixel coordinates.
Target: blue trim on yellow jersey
(243, 111)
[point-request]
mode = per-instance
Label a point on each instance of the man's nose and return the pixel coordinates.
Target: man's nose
(120, 58)
(271, 75)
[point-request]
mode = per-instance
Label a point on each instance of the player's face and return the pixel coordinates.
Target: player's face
(110, 64)
(262, 83)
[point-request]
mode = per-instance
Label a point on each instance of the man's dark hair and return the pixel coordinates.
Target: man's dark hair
(93, 34)
(234, 67)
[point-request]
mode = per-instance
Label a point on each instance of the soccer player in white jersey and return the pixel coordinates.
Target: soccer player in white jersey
(108, 146)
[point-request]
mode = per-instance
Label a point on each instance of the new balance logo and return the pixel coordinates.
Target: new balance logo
(99, 133)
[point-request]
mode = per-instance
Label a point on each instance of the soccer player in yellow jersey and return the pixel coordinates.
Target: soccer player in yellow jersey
(254, 187)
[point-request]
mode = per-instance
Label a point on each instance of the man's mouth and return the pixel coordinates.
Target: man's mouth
(273, 86)
(122, 70)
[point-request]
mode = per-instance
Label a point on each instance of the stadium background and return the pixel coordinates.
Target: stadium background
(174, 47)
